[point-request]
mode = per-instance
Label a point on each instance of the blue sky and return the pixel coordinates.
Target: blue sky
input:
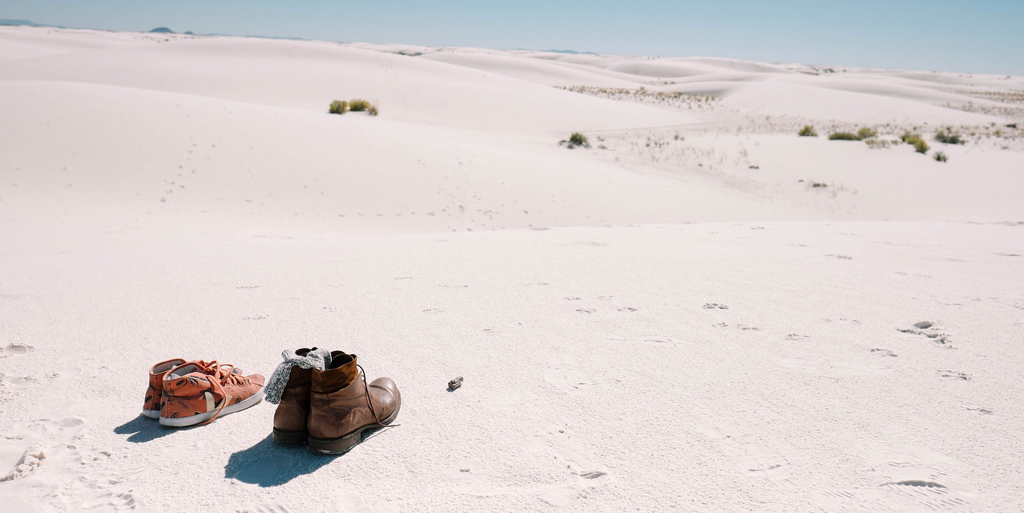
(980, 36)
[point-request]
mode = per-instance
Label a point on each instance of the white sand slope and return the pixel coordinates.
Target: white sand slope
(703, 311)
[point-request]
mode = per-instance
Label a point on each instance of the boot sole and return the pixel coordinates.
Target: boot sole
(290, 437)
(343, 444)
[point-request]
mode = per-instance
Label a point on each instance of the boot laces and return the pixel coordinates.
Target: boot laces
(369, 402)
(225, 374)
(219, 375)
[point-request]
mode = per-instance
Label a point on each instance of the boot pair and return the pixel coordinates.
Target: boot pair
(185, 393)
(325, 401)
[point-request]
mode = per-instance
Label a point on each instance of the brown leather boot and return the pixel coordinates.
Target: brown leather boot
(342, 405)
(292, 413)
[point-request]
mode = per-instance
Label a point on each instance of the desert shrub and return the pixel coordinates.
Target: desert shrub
(947, 137)
(843, 136)
(372, 110)
(338, 107)
(866, 133)
(578, 139)
(1011, 125)
(878, 143)
(915, 140)
(808, 131)
(358, 105)
(939, 156)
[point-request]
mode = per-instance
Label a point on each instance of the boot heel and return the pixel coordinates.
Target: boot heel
(290, 437)
(338, 445)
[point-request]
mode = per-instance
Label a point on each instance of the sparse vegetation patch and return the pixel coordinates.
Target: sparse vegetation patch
(948, 137)
(338, 107)
(808, 131)
(358, 105)
(878, 144)
(862, 134)
(341, 107)
(915, 140)
(843, 136)
(576, 140)
(866, 133)
(939, 156)
(648, 97)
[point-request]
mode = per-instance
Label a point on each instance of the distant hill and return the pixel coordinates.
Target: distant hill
(162, 30)
(573, 52)
(20, 22)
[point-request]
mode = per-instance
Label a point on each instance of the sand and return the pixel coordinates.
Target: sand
(701, 312)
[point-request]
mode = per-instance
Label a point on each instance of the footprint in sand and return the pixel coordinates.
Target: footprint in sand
(104, 482)
(15, 350)
(30, 460)
(963, 376)
(26, 447)
(6, 380)
(568, 380)
(928, 329)
(110, 501)
(583, 470)
(915, 480)
(741, 327)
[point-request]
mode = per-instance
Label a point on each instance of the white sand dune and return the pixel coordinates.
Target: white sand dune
(851, 102)
(703, 311)
(541, 71)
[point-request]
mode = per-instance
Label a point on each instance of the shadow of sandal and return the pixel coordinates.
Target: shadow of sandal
(268, 464)
(142, 429)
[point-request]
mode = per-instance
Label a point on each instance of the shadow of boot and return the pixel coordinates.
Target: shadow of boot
(268, 464)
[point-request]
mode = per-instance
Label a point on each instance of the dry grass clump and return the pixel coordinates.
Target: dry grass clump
(866, 133)
(939, 156)
(807, 131)
(862, 134)
(878, 144)
(575, 140)
(356, 105)
(338, 107)
(948, 137)
(843, 136)
(915, 140)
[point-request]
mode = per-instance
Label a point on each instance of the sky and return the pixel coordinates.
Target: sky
(979, 36)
